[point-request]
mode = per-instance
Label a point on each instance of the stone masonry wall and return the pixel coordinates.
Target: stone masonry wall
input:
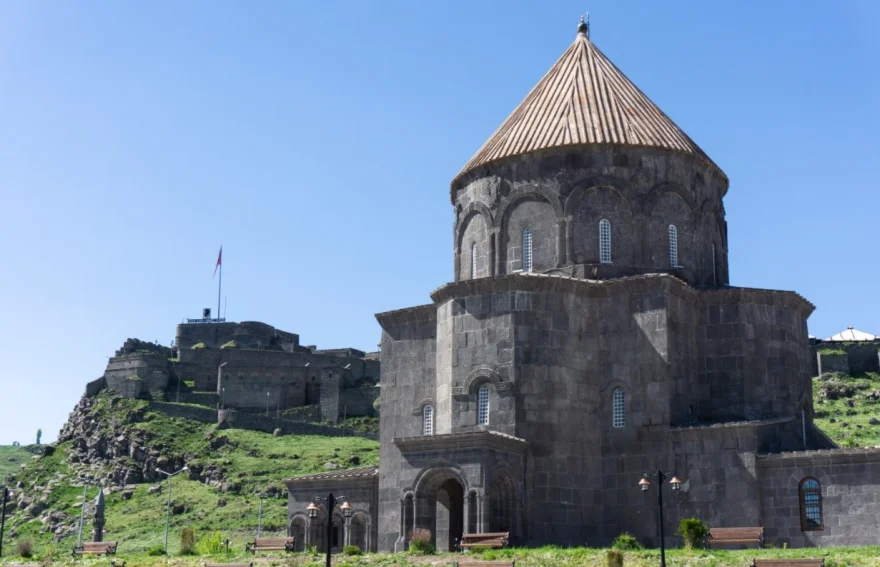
(850, 481)
(829, 362)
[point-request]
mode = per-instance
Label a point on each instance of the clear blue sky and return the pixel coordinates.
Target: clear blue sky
(316, 142)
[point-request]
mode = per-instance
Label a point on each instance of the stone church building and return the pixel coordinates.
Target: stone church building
(591, 335)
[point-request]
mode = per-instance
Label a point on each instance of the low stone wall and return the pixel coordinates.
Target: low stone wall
(95, 387)
(205, 415)
(829, 362)
(198, 398)
(241, 420)
(356, 402)
(850, 503)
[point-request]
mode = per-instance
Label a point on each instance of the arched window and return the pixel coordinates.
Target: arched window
(618, 408)
(428, 420)
(474, 260)
(527, 250)
(673, 246)
(810, 493)
(483, 405)
(604, 241)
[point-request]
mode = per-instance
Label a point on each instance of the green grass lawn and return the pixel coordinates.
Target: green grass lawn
(850, 426)
(538, 557)
(11, 459)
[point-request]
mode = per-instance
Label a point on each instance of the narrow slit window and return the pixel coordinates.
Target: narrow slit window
(673, 246)
(810, 492)
(428, 420)
(483, 405)
(714, 267)
(605, 241)
(474, 260)
(527, 250)
(618, 408)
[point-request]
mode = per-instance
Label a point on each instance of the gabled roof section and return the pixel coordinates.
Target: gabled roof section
(583, 99)
(347, 474)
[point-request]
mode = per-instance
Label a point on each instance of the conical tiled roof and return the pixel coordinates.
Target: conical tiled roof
(583, 99)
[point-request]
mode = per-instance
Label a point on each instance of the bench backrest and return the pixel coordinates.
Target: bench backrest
(98, 545)
(273, 541)
(788, 563)
(474, 538)
(735, 533)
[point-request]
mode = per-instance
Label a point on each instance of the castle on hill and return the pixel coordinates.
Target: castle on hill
(591, 335)
(245, 372)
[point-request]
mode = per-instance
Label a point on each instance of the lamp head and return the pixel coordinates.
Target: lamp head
(346, 509)
(312, 510)
(644, 484)
(676, 484)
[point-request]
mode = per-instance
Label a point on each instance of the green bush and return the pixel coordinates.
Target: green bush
(25, 548)
(311, 549)
(692, 531)
(420, 542)
(155, 551)
(198, 346)
(211, 544)
(351, 550)
(614, 558)
(230, 344)
(187, 541)
(627, 542)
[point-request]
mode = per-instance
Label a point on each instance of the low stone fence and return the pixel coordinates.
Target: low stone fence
(205, 415)
(242, 420)
(198, 398)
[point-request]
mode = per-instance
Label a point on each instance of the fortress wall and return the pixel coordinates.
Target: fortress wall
(864, 357)
(356, 402)
(860, 357)
(248, 334)
(850, 482)
(95, 387)
(150, 369)
(243, 420)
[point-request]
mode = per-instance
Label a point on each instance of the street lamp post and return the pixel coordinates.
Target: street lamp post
(82, 517)
(645, 484)
(7, 494)
(267, 404)
(331, 502)
(168, 506)
(260, 517)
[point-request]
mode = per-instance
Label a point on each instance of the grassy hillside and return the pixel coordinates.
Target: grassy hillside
(232, 466)
(11, 459)
(847, 408)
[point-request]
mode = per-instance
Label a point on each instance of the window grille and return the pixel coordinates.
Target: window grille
(810, 492)
(428, 420)
(483, 403)
(604, 241)
(673, 246)
(618, 405)
(527, 250)
(474, 260)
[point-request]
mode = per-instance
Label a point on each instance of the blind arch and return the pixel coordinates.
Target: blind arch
(527, 250)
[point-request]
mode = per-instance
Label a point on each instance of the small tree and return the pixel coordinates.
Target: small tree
(692, 531)
(187, 541)
(626, 541)
(420, 542)
(39, 435)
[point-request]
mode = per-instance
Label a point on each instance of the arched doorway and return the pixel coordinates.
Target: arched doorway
(440, 501)
(358, 531)
(502, 505)
(297, 530)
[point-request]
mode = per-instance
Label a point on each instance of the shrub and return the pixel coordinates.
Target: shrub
(692, 531)
(198, 346)
(351, 550)
(311, 549)
(211, 544)
(420, 542)
(614, 558)
(230, 344)
(155, 550)
(187, 541)
(25, 547)
(626, 541)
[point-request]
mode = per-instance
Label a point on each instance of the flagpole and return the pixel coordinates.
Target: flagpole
(219, 286)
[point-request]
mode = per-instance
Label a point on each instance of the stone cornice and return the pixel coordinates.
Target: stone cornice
(457, 441)
(825, 457)
(409, 315)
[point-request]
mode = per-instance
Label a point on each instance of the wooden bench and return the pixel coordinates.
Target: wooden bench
(788, 562)
(495, 540)
(96, 548)
(486, 563)
(271, 544)
(734, 536)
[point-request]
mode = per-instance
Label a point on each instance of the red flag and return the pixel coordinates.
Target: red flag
(219, 261)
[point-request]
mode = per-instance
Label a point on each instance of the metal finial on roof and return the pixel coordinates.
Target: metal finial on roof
(584, 26)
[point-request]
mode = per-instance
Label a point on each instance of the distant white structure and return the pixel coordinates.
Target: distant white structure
(851, 334)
